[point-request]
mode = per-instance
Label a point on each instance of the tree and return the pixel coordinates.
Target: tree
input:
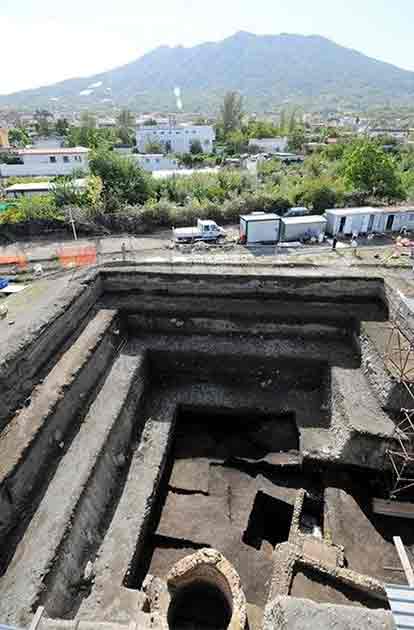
(292, 122)
(62, 127)
(43, 126)
(262, 129)
(122, 180)
(126, 136)
(296, 139)
(195, 147)
(87, 120)
(333, 152)
(154, 147)
(126, 122)
(237, 142)
(231, 113)
(66, 193)
(90, 137)
(282, 122)
(19, 137)
(126, 119)
(369, 169)
(321, 198)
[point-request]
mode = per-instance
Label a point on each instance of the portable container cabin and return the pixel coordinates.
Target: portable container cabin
(41, 188)
(301, 228)
(259, 227)
(348, 221)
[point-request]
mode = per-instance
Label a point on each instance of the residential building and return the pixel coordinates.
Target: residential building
(270, 145)
(156, 161)
(4, 138)
(49, 162)
(367, 220)
(176, 138)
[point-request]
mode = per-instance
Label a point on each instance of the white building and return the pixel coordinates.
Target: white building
(270, 145)
(401, 135)
(177, 139)
(348, 221)
(106, 123)
(49, 162)
(39, 188)
(155, 161)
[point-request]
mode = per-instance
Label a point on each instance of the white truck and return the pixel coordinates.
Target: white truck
(206, 230)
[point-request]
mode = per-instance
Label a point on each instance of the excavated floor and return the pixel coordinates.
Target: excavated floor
(215, 497)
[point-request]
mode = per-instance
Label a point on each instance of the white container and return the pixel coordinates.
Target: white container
(259, 227)
(349, 221)
(298, 228)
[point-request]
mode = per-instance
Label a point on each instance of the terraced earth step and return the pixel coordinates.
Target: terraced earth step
(65, 523)
(221, 326)
(34, 440)
(126, 534)
(276, 311)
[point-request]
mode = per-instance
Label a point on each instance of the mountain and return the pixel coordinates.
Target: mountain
(268, 70)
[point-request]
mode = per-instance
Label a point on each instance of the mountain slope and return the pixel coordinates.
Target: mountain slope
(267, 69)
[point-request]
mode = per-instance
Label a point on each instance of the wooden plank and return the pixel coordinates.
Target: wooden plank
(409, 574)
(393, 508)
(37, 618)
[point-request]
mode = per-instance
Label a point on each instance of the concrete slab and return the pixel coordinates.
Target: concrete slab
(302, 614)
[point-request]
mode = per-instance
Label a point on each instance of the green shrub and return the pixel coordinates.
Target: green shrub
(37, 207)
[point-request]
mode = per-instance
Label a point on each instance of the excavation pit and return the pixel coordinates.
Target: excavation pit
(181, 412)
(269, 522)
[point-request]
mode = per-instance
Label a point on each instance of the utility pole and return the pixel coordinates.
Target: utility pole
(72, 222)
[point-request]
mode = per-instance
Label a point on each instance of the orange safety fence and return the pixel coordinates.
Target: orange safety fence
(18, 260)
(77, 256)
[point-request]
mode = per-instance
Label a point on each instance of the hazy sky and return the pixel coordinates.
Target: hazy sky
(43, 41)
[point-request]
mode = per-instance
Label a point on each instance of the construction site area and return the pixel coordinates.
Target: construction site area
(193, 446)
